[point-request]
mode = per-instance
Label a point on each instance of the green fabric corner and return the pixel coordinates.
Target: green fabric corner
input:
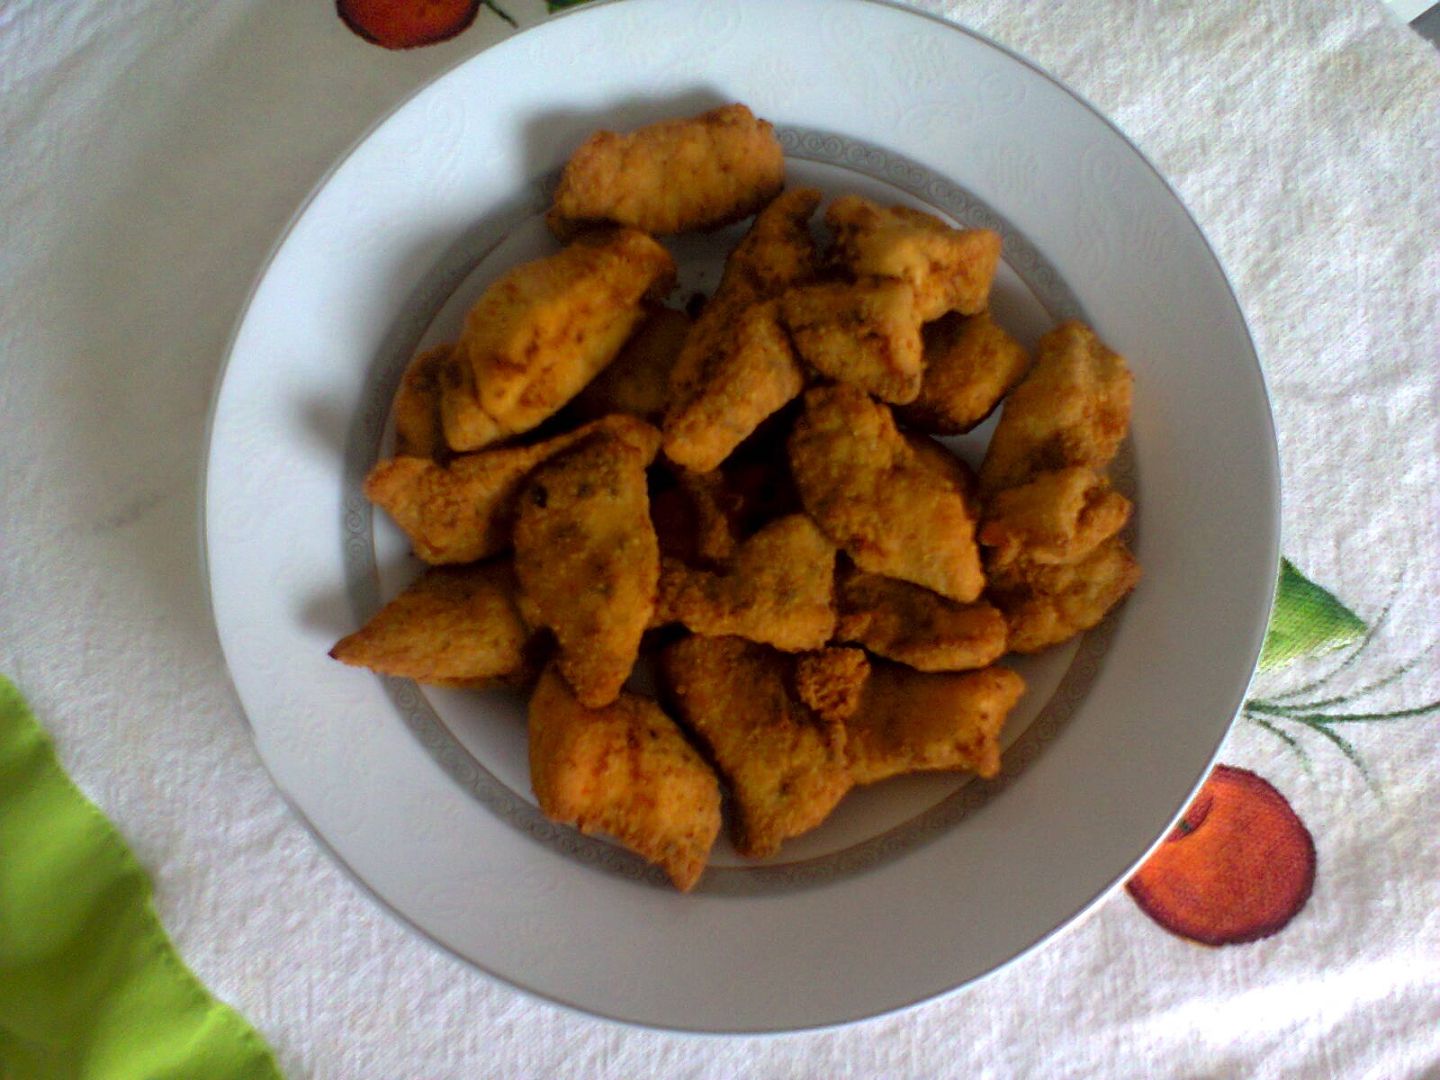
(91, 987)
(1307, 619)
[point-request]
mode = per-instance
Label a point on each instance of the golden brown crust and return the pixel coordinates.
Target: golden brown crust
(913, 722)
(673, 176)
(917, 627)
(452, 626)
(1072, 409)
(627, 771)
(970, 364)
(588, 561)
(1057, 517)
(785, 765)
(464, 510)
(891, 509)
(865, 333)
(1046, 605)
(831, 681)
(637, 381)
(416, 409)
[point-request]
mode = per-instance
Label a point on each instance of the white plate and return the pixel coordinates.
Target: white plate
(914, 887)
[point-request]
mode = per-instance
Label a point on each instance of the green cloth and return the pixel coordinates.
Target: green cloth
(90, 985)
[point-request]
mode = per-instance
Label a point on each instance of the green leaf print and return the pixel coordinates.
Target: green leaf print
(1306, 620)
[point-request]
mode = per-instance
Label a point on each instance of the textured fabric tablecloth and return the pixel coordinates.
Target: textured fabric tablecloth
(150, 152)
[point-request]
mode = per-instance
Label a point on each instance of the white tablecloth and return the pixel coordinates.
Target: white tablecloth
(151, 151)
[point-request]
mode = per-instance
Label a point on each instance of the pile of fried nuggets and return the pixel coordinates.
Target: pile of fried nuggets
(752, 498)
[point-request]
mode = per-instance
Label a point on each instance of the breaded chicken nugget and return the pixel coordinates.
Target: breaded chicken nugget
(1057, 517)
(588, 561)
(970, 364)
(694, 519)
(418, 432)
(737, 366)
(638, 380)
(779, 589)
(913, 722)
(950, 269)
(465, 510)
(785, 765)
(831, 681)
(866, 334)
(625, 770)
(453, 626)
(545, 329)
(917, 627)
(1072, 409)
(674, 176)
(892, 511)
(1045, 605)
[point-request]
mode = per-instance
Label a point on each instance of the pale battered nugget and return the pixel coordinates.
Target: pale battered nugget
(785, 765)
(1072, 409)
(627, 771)
(831, 681)
(673, 176)
(738, 366)
(453, 626)
(866, 334)
(588, 561)
(638, 380)
(1057, 517)
(464, 510)
(1045, 605)
(917, 627)
(909, 722)
(970, 364)
(950, 269)
(416, 409)
(894, 512)
(545, 329)
(778, 589)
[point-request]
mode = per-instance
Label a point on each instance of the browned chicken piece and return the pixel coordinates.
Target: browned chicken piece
(464, 510)
(624, 770)
(917, 627)
(785, 765)
(1072, 409)
(950, 269)
(416, 410)
(909, 721)
(453, 626)
(1057, 517)
(588, 561)
(674, 176)
(737, 366)
(1045, 605)
(866, 334)
(868, 489)
(832, 680)
(638, 380)
(942, 461)
(970, 364)
(545, 329)
(778, 589)
(694, 519)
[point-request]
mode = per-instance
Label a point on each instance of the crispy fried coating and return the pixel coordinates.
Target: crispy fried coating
(950, 269)
(940, 460)
(638, 380)
(464, 510)
(892, 510)
(625, 770)
(1072, 409)
(694, 519)
(915, 626)
(785, 765)
(452, 626)
(970, 364)
(545, 329)
(588, 561)
(738, 366)
(1057, 517)
(909, 721)
(1045, 605)
(418, 432)
(777, 589)
(865, 333)
(674, 176)
(831, 680)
